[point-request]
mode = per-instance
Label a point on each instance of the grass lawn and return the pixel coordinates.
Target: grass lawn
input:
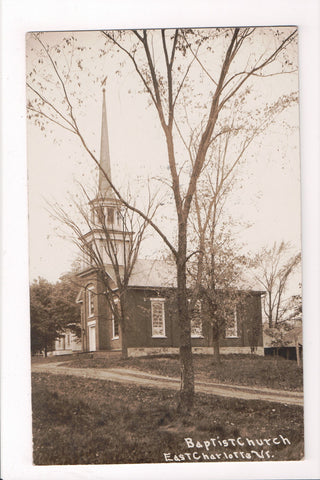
(272, 372)
(84, 421)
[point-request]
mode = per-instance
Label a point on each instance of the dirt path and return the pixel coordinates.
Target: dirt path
(137, 377)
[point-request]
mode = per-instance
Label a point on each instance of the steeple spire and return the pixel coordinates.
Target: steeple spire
(104, 188)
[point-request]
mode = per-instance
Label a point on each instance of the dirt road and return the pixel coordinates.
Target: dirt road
(137, 377)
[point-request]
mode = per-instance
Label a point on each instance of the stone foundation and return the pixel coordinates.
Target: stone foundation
(61, 352)
(148, 351)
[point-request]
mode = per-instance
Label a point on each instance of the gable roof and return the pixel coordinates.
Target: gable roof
(153, 273)
(149, 273)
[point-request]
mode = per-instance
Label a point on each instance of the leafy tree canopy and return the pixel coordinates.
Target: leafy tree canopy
(52, 311)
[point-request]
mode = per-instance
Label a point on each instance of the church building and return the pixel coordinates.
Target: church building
(151, 326)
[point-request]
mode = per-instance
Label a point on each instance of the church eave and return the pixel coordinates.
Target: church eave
(124, 235)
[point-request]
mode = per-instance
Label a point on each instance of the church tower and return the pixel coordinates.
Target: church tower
(109, 238)
(109, 232)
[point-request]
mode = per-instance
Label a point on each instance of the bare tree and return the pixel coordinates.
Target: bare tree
(164, 91)
(110, 247)
(218, 267)
(221, 269)
(273, 270)
(152, 53)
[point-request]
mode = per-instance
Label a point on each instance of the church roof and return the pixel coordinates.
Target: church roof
(153, 273)
(150, 274)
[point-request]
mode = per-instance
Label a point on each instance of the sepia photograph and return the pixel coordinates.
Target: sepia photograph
(160, 240)
(164, 205)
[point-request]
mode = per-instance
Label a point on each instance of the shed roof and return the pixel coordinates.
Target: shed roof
(289, 338)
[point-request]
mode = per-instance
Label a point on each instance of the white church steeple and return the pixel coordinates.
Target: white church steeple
(106, 201)
(106, 209)
(105, 190)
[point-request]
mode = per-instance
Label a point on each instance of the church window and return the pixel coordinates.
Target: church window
(115, 327)
(196, 321)
(158, 317)
(232, 325)
(115, 320)
(90, 301)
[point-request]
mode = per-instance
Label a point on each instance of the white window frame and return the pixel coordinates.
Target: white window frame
(90, 301)
(162, 302)
(197, 335)
(235, 327)
(114, 336)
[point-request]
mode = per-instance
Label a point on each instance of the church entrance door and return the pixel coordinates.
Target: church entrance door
(92, 338)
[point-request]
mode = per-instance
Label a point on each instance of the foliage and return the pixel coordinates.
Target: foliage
(65, 291)
(52, 310)
(279, 335)
(294, 308)
(273, 269)
(44, 329)
(216, 278)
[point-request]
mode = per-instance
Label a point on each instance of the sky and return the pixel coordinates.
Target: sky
(267, 193)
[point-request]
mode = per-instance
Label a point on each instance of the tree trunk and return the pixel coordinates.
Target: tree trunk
(123, 324)
(298, 353)
(186, 361)
(45, 351)
(270, 310)
(216, 350)
(124, 343)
